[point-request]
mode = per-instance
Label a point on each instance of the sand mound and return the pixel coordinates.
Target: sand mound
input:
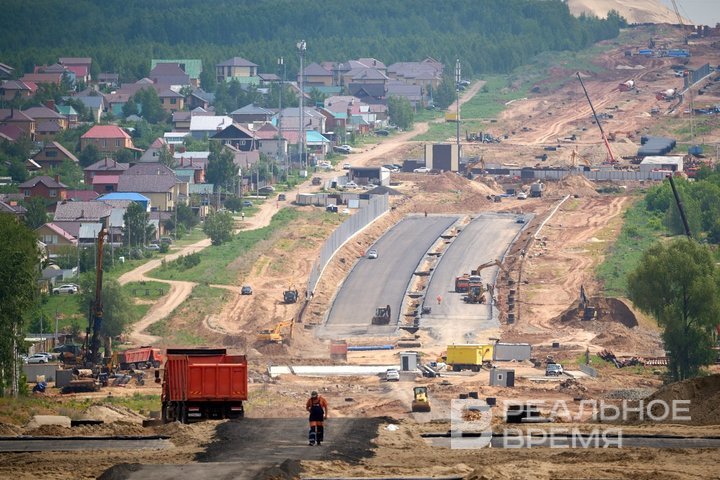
(703, 394)
(574, 184)
(609, 310)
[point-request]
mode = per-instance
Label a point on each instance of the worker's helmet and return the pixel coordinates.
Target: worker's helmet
(313, 394)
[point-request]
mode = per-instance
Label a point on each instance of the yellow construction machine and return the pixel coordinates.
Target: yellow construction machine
(421, 402)
(476, 289)
(276, 335)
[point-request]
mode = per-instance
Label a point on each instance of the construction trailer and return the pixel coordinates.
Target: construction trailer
(201, 384)
(502, 377)
(509, 352)
(468, 357)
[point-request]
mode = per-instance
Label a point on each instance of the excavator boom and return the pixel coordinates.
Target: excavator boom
(597, 121)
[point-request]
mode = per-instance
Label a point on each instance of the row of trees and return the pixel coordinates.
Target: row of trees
(490, 36)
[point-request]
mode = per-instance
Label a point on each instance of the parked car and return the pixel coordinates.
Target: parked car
(267, 190)
(346, 166)
(69, 288)
(346, 149)
(281, 197)
(246, 290)
(166, 240)
(331, 208)
(372, 253)
(350, 185)
(521, 195)
(392, 375)
(382, 133)
(247, 203)
(421, 170)
(38, 358)
(153, 246)
(553, 370)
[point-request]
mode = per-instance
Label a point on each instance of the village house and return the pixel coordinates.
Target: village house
(52, 155)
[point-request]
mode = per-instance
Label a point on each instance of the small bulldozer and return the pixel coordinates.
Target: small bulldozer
(382, 316)
(420, 402)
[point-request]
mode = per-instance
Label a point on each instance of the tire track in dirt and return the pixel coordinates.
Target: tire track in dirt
(568, 267)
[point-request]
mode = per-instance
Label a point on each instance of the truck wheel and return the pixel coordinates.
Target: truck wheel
(132, 366)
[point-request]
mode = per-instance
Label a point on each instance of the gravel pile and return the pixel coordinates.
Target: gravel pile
(630, 393)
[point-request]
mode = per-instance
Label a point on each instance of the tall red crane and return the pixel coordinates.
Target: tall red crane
(597, 120)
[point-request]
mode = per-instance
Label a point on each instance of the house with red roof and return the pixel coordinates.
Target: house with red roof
(81, 195)
(107, 139)
(54, 78)
(106, 166)
(52, 155)
(103, 184)
(80, 66)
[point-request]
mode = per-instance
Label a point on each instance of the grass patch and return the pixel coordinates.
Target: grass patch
(66, 307)
(641, 229)
(142, 293)
(137, 402)
(217, 262)
(183, 327)
(193, 236)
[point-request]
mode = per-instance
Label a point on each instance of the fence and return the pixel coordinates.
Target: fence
(376, 206)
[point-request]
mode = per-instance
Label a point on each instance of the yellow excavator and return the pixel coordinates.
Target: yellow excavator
(476, 289)
(421, 402)
(275, 334)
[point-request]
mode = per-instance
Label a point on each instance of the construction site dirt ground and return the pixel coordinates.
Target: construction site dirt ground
(555, 261)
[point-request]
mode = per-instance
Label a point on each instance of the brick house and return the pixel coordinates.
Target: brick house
(106, 166)
(171, 101)
(107, 139)
(46, 187)
(16, 118)
(12, 89)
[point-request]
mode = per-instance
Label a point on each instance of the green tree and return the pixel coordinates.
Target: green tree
(400, 112)
(124, 156)
(137, 230)
(221, 169)
(19, 268)
(89, 155)
(166, 157)
(71, 174)
(36, 215)
(151, 105)
(186, 216)
(219, 227)
(444, 94)
(679, 285)
(116, 315)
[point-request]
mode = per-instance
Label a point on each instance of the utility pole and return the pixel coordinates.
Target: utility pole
(302, 47)
(280, 156)
(458, 79)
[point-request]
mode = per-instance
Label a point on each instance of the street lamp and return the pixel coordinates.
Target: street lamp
(302, 46)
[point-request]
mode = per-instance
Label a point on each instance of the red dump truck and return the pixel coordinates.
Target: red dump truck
(203, 383)
(140, 358)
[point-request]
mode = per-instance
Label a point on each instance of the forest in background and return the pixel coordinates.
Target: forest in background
(492, 36)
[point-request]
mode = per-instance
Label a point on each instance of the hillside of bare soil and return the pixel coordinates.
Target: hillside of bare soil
(634, 11)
